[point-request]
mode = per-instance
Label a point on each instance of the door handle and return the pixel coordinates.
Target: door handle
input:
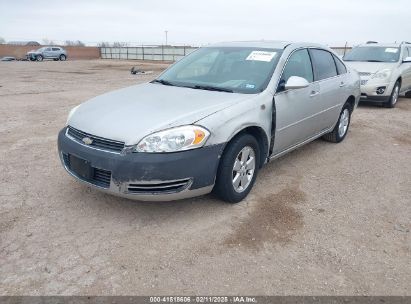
(342, 84)
(314, 93)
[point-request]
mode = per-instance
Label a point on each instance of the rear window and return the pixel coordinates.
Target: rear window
(324, 65)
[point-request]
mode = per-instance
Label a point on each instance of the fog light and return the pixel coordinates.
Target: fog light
(380, 90)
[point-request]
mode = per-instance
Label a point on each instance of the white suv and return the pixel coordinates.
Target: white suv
(385, 70)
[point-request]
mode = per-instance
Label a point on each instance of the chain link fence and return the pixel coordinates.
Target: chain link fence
(162, 52)
(153, 52)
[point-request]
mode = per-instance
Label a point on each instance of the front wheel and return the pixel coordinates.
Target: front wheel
(39, 58)
(238, 169)
(341, 128)
(62, 57)
(394, 96)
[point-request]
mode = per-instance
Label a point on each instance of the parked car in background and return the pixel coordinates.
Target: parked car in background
(385, 70)
(48, 52)
(210, 121)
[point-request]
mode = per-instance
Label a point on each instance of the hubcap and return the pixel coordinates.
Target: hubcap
(243, 169)
(343, 125)
(395, 95)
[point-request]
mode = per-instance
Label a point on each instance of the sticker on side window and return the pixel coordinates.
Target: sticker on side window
(261, 56)
(391, 50)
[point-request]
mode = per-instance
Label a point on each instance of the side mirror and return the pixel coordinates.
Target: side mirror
(295, 82)
(407, 59)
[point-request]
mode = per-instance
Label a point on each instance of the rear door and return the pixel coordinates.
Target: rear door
(56, 52)
(331, 87)
(295, 109)
(406, 70)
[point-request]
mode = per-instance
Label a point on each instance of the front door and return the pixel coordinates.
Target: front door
(296, 109)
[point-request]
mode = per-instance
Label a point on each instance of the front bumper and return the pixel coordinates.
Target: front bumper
(369, 91)
(145, 176)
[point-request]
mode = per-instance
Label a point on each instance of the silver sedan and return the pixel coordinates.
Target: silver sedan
(210, 121)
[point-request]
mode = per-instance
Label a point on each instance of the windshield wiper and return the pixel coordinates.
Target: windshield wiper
(164, 82)
(372, 60)
(211, 88)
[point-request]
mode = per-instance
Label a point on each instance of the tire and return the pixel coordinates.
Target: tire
(341, 128)
(63, 57)
(239, 147)
(39, 57)
(395, 94)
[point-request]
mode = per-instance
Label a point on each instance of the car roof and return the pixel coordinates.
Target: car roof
(269, 44)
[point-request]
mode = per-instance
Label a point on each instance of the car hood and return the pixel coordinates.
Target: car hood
(132, 113)
(370, 67)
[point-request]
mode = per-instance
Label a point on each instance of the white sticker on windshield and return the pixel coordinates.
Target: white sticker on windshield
(391, 50)
(261, 56)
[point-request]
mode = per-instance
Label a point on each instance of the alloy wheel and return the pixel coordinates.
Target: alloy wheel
(243, 169)
(344, 120)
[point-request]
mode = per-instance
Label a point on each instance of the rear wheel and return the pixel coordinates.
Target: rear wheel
(341, 128)
(62, 57)
(39, 58)
(238, 169)
(395, 94)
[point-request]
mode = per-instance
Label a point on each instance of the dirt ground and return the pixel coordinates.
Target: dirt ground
(327, 219)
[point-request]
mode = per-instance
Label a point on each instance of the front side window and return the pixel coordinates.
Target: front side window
(299, 64)
(56, 49)
(324, 65)
(234, 69)
(373, 54)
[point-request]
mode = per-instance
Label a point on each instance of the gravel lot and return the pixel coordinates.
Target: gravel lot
(327, 219)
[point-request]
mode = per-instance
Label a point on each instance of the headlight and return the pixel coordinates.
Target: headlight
(173, 140)
(71, 113)
(383, 74)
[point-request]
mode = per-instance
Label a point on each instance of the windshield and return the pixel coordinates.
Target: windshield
(41, 49)
(373, 54)
(229, 69)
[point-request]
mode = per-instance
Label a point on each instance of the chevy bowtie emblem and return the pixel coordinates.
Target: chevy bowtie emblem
(87, 140)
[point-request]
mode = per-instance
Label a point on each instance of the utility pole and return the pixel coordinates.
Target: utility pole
(166, 36)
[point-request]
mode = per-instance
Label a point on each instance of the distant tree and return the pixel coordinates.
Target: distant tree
(79, 43)
(47, 41)
(2, 41)
(119, 44)
(103, 44)
(73, 43)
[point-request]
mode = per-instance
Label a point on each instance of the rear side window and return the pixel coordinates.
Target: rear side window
(299, 64)
(341, 69)
(324, 65)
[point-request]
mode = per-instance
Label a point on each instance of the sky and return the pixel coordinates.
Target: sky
(202, 22)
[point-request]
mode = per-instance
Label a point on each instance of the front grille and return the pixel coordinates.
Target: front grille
(97, 142)
(158, 187)
(364, 82)
(100, 177)
(364, 73)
